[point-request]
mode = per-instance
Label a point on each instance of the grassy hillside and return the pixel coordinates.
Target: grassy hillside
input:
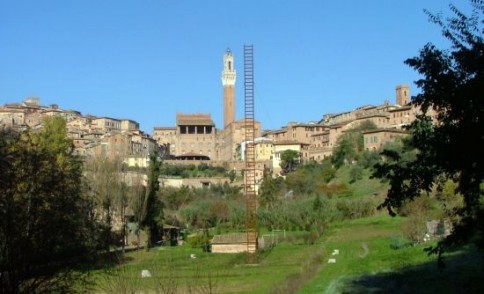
(366, 263)
(173, 267)
(373, 257)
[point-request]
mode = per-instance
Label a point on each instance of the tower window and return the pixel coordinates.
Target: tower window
(230, 65)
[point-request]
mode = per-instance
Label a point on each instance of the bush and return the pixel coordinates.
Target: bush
(334, 188)
(356, 173)
(357, 208)
(369, 159)
(420, 205)
(414, 227)
(399, 242)
(199, 241)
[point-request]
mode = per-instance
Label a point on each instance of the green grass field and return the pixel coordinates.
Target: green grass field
(365, 264)
(172, 268)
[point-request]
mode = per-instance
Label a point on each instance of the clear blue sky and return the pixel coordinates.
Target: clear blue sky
(147, 60)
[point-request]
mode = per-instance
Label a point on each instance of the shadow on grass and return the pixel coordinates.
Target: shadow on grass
(464, 273)
(105, 261)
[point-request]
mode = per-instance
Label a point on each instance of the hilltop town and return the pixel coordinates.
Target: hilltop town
(196, 138)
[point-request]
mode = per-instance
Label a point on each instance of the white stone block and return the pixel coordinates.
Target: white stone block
(332, 260)
(145, 274)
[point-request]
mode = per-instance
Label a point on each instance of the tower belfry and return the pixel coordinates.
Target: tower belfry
(228, 81)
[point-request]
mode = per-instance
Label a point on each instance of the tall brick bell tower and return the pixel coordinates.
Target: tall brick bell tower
(228, 82)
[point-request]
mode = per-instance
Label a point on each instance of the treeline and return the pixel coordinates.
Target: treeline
(195, 171)
(47, 225)
(60, 215)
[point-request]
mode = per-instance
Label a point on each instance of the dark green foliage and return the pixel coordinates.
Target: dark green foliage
(310, 178)
(344, 152)
(46, 222)
(300, 182)
(329, 172)
(270, 190)
(355, 208)
(453, 84)
(174, 198)
(232, 175)
(350, 145)
(193, 171)
(225, 191)
(317, 204)
(368, 159)
(356, 173)
(290, 160)
(153, 218)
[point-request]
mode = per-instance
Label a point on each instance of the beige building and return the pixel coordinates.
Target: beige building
(281, 146)
(11, 117)
(375, 139)
(323, 136)
(166, 136)
(107, 124)
(229, 243)
(196, 134)
(123, 145)
(230, 139)
(129, 125)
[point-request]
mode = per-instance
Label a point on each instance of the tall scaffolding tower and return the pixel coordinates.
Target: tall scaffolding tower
(249, 179)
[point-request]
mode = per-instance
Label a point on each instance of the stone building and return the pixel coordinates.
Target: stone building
(389, 119)
(196, 134)
(375, 139)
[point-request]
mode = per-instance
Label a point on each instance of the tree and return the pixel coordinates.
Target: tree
(344, 151)
(270, 190)
(137, 193)
(350, 144)
(290, 160)
(452, 84)
(106, 182)
(46, 222)
(153, 217)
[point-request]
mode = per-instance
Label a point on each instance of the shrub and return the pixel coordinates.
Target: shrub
(356, 173)
(199, 241)
(414, 227)
(334, 188)
(420, 205)
(356, 208)
(399, 242)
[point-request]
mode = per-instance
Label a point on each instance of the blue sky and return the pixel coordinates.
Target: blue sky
(147, 60)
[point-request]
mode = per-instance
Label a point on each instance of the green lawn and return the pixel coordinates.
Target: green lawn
(223, 273)
(365, 264)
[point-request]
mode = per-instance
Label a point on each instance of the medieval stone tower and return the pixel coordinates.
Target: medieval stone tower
(228, 82)
(403, 95)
